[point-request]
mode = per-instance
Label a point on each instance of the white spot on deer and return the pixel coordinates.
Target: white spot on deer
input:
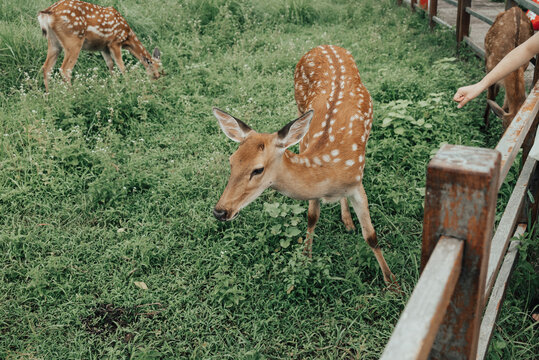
(324, 91)
(360, 158)
(363, 138)
(326, 158)
(317, 161)
(336, 160)
(349, 162)
(318, 134)
(334, 110)
(338, 103)
(327, 105)
(307, 162)
(311, 63)
(352, 93)
(334, 152)
(331, 138)
(354, 147)
(324, 123)
(358, 178)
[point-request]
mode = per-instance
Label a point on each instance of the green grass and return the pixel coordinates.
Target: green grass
(112, 181)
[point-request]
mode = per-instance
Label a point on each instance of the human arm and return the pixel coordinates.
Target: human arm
(512, 61)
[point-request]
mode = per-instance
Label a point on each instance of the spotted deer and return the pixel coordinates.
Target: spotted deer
(510, 29)
(332, 131)
(76, 25)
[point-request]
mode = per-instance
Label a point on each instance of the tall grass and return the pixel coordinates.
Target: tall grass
(109, 183)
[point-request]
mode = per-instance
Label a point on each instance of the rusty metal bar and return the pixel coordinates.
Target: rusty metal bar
(479, 16)
(418, 324)
(452, 2)
(516, 132)
(476, 48)
(460, 202)
(530, 5)
(441, 22)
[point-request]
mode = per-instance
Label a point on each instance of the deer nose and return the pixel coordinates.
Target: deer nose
(220, 214)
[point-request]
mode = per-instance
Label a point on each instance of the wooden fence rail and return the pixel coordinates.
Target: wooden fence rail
(462, 263)
(465, 269)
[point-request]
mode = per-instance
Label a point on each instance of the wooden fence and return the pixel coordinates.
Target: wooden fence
(464, 267)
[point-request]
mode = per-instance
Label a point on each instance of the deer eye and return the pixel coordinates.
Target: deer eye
(256, 172)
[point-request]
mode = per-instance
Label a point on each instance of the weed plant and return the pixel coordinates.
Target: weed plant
(108, 248)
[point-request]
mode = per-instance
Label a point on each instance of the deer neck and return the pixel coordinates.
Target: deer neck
(304, 177)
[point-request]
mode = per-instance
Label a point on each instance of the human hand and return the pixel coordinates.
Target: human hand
(467, 93)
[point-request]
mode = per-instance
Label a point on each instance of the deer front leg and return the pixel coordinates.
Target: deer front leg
(361, 207)
(346, 217)
(313, 215)
(108, 59)
(116, 53)
(54, 49)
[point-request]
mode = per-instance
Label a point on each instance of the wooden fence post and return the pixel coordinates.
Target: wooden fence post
(433, 11)
(460, 202)
(463, 20)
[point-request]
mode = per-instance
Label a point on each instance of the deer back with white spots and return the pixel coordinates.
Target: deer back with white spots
(332, 131)
(74, 25)
(510, 29)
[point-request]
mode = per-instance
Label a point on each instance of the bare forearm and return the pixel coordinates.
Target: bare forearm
(515, 59)
(512, 61)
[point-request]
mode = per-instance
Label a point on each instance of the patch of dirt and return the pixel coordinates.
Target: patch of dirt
(107, 318)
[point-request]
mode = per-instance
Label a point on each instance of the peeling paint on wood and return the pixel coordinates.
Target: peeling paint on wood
(460, 202)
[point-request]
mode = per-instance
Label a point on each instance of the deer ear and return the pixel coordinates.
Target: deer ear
(156, 54)
(234, 128)
(294, 131)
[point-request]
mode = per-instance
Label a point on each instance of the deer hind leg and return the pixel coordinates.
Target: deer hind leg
(108, 59)
(492, 92)
(313, 215)
(346, 216)
(53, 50)
(72, 47)
(116, 52)
(361, 207)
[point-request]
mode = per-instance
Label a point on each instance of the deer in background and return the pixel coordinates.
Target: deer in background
(510, 29)
(333, 133)
(76, 25)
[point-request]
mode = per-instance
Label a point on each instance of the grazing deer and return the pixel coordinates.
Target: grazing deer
(76, 25)
(333, 133)
(510, 29)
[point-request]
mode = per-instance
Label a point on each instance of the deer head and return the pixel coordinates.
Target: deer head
(256, 163)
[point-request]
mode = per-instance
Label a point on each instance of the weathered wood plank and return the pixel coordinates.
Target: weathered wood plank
(507, 224)
(419, 322)
(495, 302)
(463, 20)
(514, 136)
(433, 11)
(460, 202)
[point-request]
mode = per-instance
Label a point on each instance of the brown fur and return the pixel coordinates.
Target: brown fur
(502, 37)
(75, 25)
(332, 149)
